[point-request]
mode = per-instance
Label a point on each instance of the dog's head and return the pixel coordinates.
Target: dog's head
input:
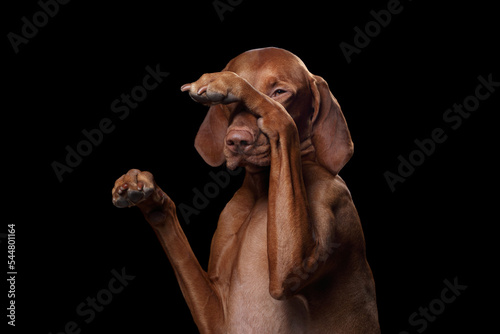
(230, 133)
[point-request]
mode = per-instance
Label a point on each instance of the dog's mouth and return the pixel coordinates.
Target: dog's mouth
(243, 160)
(244, 147)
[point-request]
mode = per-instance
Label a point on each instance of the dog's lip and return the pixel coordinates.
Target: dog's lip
(245, 155)
(256, 158)
(255, 149)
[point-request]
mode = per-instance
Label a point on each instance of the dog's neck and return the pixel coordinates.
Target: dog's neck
(257, 178)
(307, 150)
(306, 146)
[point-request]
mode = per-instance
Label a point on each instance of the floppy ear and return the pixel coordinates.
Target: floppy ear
(330, 134)
(209, 141)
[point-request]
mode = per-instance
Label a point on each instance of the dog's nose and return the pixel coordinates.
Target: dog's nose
(239, 140)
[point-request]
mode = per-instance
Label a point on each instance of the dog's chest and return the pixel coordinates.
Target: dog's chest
(239, 247)
(240, 244)
(243, 281)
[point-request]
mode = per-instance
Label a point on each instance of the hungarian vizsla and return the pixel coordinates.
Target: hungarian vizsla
(288, 255)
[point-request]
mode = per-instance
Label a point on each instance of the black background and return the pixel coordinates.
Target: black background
(438, 224)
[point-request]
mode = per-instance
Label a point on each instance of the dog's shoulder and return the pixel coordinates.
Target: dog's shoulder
(324, 187)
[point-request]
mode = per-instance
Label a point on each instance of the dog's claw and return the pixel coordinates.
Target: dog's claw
(202, 90)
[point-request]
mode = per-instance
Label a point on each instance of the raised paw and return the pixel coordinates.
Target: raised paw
(214, 88)
(133, 188)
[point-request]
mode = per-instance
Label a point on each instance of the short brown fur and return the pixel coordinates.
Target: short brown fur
(288, 255)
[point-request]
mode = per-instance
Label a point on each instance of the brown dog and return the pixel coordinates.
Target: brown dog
(288, 255)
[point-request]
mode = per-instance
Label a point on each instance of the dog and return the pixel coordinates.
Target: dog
(288, 254)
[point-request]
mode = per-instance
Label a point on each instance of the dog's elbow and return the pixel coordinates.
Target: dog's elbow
(278, 294)
(283, 290)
